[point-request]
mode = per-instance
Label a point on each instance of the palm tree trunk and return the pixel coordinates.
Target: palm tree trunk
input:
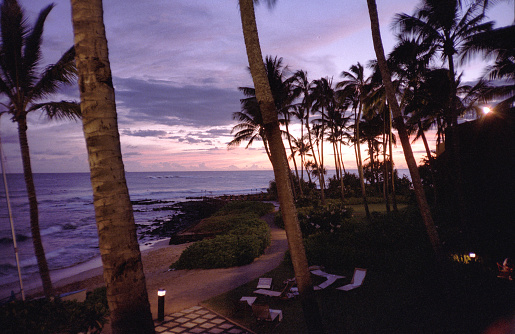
(385, 171)
(360, 165)
(121, 258)
(455, 154)
(322, 195)
(44, 273)
(294, 162)
(390, 144)
(431, 162)
(408, 153)
(280, 167)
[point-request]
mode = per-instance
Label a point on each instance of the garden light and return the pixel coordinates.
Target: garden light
(161, 304)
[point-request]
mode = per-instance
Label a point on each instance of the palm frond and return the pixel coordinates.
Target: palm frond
(32, 50)
(61, 73)
(13, 31)
(59, 110)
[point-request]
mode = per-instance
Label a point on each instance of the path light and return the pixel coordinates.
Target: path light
(487, 110)
(161, 304)
(472, 255)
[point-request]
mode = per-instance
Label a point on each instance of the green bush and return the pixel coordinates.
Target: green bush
(241, 246)
(55, 316)
(328, 218)
(244, 238)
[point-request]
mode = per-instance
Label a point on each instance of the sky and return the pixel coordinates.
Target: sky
(177, 66)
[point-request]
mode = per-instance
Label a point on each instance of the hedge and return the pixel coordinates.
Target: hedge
(42, 316)
(243, 237)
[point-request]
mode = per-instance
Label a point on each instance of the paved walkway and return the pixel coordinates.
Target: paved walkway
(197, 319)
(186, 289)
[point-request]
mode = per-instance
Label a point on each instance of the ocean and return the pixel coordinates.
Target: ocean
(67, 218)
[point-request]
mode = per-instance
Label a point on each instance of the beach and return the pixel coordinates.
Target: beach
(184, 288)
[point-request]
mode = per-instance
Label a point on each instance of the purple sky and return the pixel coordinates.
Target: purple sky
(176, 67)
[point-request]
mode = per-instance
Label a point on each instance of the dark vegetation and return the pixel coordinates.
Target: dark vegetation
(42, 316)
(405, 290)
(241, 236)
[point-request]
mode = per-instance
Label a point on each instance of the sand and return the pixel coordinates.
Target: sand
(184, 288)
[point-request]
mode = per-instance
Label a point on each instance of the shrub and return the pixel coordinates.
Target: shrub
(241, 246)
(55, 316)
(328, 218)
(244, 238)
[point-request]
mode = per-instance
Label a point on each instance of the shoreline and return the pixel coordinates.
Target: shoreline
(89, 271)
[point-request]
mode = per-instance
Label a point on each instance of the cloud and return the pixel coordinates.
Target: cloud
(145, 133)
(162, 102)
(191, 140)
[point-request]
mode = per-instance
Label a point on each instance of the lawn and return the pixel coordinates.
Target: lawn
(358, 209)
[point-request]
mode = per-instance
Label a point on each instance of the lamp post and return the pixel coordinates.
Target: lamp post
(161, 304)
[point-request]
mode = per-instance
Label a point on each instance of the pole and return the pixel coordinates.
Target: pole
(161, 304)
(11, 220)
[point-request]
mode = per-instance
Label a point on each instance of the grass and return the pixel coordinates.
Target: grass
(358, 209)
(466, 299)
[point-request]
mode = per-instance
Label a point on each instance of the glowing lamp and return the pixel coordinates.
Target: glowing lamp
(486, 110)
(161, 304)
(472, 255)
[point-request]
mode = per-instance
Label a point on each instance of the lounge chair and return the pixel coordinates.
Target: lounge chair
(248, 300)
(357, 280)
(264, 283)
(269, 293)
(265, 313)
(285, 293)
(330, 279)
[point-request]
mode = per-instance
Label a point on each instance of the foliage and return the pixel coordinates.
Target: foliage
(243, 237)
(231, 215)
(246, 207)
(56, 316)
(238, 247)
(390, 240)
(328, 218)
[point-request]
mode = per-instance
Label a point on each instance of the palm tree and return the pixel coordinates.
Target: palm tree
(498, 43)
(299, 112)
(408, 152)
(448, 26)
(121, 258)
(337, 128)
(300, 146)
(250, 126)
(324, 99)
(354, 87)
(302, 87)
(280, 166)
(26, 89)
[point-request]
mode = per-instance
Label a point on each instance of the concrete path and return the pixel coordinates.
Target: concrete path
(187, 288)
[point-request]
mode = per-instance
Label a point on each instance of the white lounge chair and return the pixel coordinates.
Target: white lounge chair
(270, 293)
(264, 312)
(264, 283)
(248, 300)
(357, 280)
(330, 279)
